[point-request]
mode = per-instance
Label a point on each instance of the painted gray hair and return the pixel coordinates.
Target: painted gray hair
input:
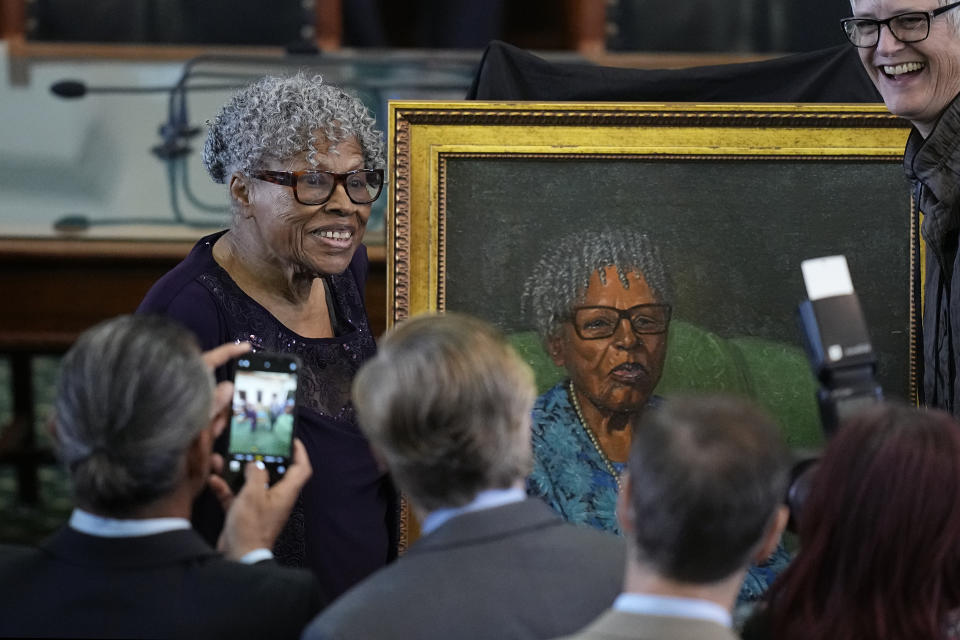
(447, 402)
(278, 117)
(133, 393)
(559, 280)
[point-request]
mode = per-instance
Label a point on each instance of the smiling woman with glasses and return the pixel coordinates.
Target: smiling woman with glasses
(302, 162)
(911, 51)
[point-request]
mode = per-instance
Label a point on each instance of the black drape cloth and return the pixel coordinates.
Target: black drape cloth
(826, 75)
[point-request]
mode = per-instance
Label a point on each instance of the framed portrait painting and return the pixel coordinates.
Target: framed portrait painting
(733, 196)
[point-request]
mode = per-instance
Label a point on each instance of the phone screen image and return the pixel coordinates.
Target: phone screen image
(264, 412)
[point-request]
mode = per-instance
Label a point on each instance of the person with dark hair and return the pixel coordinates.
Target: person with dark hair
(446, 403)
(136, 414)
(302, 163)
(910, 49)
(700, 502)
(879, 555)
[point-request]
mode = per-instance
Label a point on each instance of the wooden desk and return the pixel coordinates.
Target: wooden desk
(54, 289)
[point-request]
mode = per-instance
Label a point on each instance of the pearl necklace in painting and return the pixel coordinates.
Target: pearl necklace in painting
(592, 435)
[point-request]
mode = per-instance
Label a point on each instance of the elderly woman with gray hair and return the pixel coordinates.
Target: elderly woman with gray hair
(302, 162)
(601, 302)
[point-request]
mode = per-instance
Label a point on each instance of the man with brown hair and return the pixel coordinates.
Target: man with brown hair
(702, 499)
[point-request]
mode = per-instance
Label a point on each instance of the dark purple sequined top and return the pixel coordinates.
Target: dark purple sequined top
(344, 523)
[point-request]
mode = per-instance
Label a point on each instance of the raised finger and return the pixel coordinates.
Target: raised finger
(224, 353)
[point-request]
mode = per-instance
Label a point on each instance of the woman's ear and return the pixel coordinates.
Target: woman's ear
(197, 465)
(239, 189)
(555, 348)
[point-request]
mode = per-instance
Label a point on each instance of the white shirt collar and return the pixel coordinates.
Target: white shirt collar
(483, 500)
(86, 522)
(656, 605)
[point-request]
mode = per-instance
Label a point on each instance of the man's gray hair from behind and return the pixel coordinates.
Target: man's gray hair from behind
(132, 395)
(446, 402)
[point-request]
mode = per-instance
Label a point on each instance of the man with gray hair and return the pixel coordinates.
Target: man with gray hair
(136, 415)
(446, 404)
(702, 500)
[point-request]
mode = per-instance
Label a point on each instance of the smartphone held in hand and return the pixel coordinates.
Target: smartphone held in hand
(264, 414)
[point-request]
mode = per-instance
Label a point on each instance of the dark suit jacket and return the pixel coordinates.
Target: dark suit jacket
(618, 625)
(169, 585)
(516, 571)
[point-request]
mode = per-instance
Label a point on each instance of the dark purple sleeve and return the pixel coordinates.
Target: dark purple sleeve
(189, 303)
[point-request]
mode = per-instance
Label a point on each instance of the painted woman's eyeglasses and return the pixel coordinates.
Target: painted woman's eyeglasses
(594, 323)
(363, 186)
(912, 26)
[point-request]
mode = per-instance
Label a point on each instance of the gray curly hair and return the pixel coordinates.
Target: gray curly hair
(559, 280)
(278, 117)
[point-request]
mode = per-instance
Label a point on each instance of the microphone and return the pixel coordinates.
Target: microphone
(70, 89)
(72, 223)
(77, 223)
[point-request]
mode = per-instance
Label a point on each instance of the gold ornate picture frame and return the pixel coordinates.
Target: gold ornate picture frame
(735, 196)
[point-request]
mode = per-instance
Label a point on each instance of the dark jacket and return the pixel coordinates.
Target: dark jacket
(168, 585)
(933, 168)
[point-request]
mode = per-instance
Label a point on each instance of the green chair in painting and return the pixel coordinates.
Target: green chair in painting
(775, 375)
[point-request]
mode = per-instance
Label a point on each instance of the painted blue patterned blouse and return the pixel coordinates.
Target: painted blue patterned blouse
(569, 474)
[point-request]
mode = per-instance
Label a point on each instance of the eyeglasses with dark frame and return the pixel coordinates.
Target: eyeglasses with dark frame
(595, 323)
(912, 26)
(313, 187)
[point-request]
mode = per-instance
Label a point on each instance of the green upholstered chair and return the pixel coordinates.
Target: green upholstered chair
(776, 375)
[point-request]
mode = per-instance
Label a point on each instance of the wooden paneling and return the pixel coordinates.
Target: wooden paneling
(12, 17)
(53, 290)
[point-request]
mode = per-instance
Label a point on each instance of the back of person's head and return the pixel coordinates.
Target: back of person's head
(879, 532)
(446, 402)
(707, 475)
(133, 394)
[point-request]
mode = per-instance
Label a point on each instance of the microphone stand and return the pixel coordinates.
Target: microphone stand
(172, 150)
(176, 132)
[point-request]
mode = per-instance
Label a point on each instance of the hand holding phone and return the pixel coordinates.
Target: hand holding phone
(263, 415)
(257, 514)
